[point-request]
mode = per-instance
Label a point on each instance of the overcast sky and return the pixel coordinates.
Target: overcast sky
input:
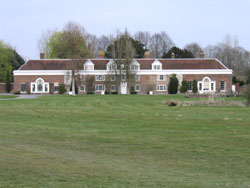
(204, 21)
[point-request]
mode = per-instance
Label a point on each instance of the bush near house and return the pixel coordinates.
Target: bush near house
(62, 89)
(184, 86)
(173, 85)
(247, 95)
(194, 89)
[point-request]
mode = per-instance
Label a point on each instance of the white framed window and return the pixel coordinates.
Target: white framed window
(161, 77)
(23, 88)
(113, 87)
(39, 86)
(100, 77)
(137, 78)
(56, 87)
(99, 87)
(82, 77)
(112, 77)
(137, 88)
(161, 87)
(112, 67)
(134, 67)
(122, 66)
(189, 85)
(222, 86)
(157, 67)
(200, 86)
(82, 88)
(88, 65)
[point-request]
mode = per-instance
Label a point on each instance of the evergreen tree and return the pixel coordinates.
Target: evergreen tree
(184, 86)
(173, 85)
(195, 89)
(179, 53)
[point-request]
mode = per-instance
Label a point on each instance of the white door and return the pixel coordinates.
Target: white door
(123, 87)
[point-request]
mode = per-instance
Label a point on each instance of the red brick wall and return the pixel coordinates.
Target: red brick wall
(147, 82)
(214, 77)
(3, 88)
(28, 79)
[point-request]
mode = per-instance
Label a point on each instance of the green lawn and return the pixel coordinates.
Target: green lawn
(7, 96)
(122, 142)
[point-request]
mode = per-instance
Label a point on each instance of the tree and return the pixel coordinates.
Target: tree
(179, 53)
(143, 37)
(173, 85)
(160, 43)
(194, 48)
(184, 86)
(6, 54)
(231, 54)
(194, 89)
(137, 45)
(123, 52)
(248, 76)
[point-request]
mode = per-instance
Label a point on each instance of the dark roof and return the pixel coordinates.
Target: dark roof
(100, 64)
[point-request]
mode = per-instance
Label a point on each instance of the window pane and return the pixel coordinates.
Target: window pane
(23, 87)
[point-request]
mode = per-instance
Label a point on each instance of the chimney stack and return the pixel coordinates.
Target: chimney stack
(42, 55)
(101, 55)
(202, 55)
(147, 54)
(172, 55)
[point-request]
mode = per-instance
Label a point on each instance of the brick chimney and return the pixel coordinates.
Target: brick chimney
(42, 55)
(172, 55)
(202, 55)
(101, 55)
(147, 54)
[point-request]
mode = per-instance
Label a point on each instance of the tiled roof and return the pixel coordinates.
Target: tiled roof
(100, 64)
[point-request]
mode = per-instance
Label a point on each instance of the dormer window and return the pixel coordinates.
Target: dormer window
(135, 65)
(111, 66)
(89, 65)
(122, 66)
(156, 65)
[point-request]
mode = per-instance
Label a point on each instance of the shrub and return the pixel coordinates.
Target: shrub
(90, 93)
(107, 92)
(8, 82)
(133, 92)
(173, 85)
(247, 95)
(184, 86)
(114, 93)
(17, 92)
(62, 89)
(194, 89)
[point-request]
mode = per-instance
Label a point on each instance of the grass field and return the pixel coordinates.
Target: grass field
(122, 142)
(7, 96)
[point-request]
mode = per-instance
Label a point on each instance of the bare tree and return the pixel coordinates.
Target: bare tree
(194, 48)
(160, 43)
(103, 42)
(43, 41)
(231, 54)
(121, 68)
(143, 37)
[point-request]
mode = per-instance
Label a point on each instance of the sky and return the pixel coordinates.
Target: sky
(206, 22)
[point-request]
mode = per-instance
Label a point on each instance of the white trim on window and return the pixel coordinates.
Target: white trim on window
(99, 87)
(161, 77)
(113, 88)
(137, 77)
(25, 86)
(56, 85)
(137, 88)
(82, 89)
(39, 86)
(100, 77)
(161, 87)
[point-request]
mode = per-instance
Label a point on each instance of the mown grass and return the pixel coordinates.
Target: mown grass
(8, 96)
(122, 141)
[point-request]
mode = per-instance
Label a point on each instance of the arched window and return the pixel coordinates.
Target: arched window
(40, 85)
(206, 84)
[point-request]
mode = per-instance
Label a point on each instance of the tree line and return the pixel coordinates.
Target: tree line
(9, 60)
